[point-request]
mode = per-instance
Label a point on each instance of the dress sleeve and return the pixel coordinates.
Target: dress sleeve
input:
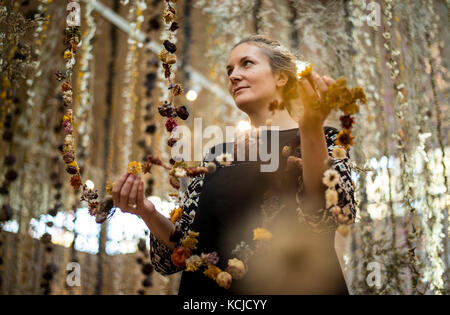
(160, 254)
(323, 220)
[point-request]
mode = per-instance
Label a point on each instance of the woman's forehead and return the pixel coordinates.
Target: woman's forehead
(244, 50)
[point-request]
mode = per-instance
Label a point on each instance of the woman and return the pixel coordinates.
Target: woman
(226, 205)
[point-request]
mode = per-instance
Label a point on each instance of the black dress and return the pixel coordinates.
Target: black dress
(225, 207)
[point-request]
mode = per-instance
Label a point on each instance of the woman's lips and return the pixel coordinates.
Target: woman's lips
(240, 89)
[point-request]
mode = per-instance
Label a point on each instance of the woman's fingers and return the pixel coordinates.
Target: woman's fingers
(125, 192)
(140, 195)
(132, 197)
(320, 84)
(308, 91)
(118, 187)
(328, 81)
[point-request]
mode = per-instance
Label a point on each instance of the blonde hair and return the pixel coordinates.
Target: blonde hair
(280, 59)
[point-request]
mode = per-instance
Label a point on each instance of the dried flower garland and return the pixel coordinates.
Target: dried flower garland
(338, 97)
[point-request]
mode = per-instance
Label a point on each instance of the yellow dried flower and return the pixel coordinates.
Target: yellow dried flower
(212, 272)
(68, 54)
(168, 17)
(191, 240)
(163, 55)
(261, 234)
(304, 70)
(109, 187)
(134, 168)
(175, 215)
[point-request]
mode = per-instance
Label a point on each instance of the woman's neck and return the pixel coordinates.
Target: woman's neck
(282, 119)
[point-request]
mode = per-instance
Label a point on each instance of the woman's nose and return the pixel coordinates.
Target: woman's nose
(235, 77)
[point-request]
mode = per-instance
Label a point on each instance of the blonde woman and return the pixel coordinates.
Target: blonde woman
(226, 205)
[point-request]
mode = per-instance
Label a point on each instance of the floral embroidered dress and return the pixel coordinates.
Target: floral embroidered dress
(225, 207)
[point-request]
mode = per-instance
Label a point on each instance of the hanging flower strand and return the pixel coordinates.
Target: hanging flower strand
(168, 58)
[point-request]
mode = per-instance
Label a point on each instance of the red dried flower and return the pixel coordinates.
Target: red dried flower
(347, 121)
(171, 124)
(179, 256)
(66, 86)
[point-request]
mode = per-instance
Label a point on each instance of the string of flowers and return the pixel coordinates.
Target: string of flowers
(85, 103)
(170, 89)
(400, 111)
(436, 270)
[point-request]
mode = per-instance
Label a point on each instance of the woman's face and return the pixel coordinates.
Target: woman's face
(252, 84)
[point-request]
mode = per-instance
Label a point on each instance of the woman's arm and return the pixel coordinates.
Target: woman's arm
(314, 155)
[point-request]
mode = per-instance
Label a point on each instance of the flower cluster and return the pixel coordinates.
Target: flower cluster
(339, 96)
(207, 262)
(167, 56)
(183, 256)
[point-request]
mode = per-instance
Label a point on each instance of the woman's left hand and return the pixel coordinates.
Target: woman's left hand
(312, 90)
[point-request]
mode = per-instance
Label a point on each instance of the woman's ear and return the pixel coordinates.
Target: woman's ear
(281, 78)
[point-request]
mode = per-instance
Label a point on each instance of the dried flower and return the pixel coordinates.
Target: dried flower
(179, 256)
(345, 139)
(193, 263)
(171, 142)
(168, 16)
(179, 172)
(171, 59)
(224, 279)
(177, 89)
(134, 168)
(109, 187)
(174, 182)
(346, 121)
(182, 112)
(175, 214)
(174, 26)
(167, 110)
(339, 153)
(171, 124)
(336, 210)
(146, 167)
(72, 170)
(236, 268)
(212, 272)
(331, 197)
(163, 55)
(170, 47)
(210, 258)
(94, 206)
(261, 234)
(304, 69)
(190, 241)
(330, 178)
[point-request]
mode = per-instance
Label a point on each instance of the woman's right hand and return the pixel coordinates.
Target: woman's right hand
(128, 195)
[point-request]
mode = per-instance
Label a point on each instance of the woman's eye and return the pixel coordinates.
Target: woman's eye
(245, 62)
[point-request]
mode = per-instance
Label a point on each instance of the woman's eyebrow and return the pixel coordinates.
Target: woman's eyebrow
(229, 66)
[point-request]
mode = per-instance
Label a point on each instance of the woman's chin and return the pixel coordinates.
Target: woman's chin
(243, 104)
